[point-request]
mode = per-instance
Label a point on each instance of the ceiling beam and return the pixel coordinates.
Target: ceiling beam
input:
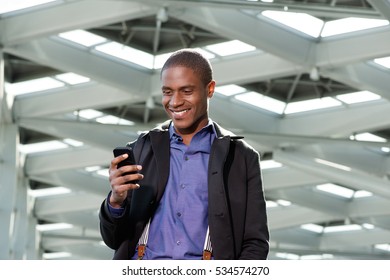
(70, 99)
(338, 122)
(71, 58)
(353, 48)
(259, 32)
(353, 178)
(68, 16)
(105, 136)
(364, 76)
(382, 6)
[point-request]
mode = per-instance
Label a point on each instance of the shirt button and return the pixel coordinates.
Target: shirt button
(186, 158)
(182, 186)
(178, 214)
(178, 243)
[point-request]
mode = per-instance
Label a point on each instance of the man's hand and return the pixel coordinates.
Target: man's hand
(121, 180)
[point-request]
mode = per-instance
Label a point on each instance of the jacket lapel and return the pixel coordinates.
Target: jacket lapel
(160, 141)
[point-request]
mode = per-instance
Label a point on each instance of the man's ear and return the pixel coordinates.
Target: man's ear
(210, 88)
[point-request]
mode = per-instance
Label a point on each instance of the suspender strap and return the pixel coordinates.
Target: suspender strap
(207, 249)
(143, 241)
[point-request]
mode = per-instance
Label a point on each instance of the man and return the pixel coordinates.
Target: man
(200, 194)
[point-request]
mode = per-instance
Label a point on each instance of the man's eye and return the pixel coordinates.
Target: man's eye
(167, 92)
(188, 91)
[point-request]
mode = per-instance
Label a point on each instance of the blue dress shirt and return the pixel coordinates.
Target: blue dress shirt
(179, 225)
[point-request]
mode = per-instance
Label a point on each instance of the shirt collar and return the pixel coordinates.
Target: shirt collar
(209, 127)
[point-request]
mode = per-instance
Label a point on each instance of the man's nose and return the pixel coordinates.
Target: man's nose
(176, 100)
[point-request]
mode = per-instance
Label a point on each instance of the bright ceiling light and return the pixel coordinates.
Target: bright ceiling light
(346, 25)
(336, 190)
(127, 53)
(384, 61)
(262, 101)
(357, 97)
(16, 5)
(83, 37)
(312, 104)
(31, 86)
(299, 21)
(230, 48)
(229, 90)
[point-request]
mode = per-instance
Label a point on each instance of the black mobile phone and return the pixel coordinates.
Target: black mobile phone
(130, 160)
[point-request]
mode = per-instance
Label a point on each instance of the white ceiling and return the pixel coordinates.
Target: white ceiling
(297, 140)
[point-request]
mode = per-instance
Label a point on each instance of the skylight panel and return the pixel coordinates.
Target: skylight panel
(48, 192)
(336, 190)
(54, 226)
(269, 164)
(31, 86)
(287, 256)
(229, 90)
(384, 247)
(160, 59)
(230, 48)
(362, 193)
(302, 22)
(42, 147)
(346, 25)
(368, 137)
(271, 204)
(357, 97)
(342, 228)
(56, 255)
(15, 5)
(384, 61)
(262, 101)
(88, 114)
(109, 119)
(72, 78)
(333, 164)
(312, 104)
(127, 53)
(83, 37)
(313, 228)
(385, 149)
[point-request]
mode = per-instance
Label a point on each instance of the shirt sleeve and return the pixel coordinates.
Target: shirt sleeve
(115, 212)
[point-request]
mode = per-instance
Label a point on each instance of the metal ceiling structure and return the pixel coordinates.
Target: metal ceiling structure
(280, 68)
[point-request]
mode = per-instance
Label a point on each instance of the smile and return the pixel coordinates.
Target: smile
(179, 113)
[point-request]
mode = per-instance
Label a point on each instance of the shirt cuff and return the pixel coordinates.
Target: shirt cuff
(115, 212)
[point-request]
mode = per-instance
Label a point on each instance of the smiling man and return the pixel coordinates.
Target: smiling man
(199, 193)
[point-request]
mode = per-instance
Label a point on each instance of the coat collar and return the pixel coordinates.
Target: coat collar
(221, 132)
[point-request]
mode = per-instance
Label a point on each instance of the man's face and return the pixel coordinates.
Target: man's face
(185, 99)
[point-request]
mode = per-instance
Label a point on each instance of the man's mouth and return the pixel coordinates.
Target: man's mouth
(179, 113)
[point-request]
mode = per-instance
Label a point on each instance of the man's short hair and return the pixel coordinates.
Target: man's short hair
(191, 59)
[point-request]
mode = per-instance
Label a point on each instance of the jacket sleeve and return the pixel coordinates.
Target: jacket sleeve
(256, 235)
(114, 230)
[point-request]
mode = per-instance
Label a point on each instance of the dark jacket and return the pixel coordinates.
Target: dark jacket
(236, 210)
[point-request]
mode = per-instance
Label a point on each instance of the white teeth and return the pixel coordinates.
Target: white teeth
(180, 113)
